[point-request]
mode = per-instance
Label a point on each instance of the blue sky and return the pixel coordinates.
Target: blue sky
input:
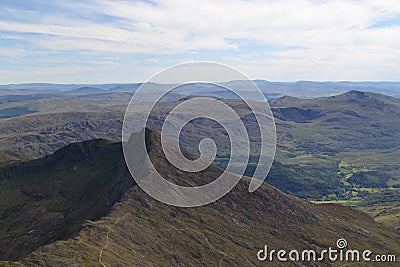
(128, 41)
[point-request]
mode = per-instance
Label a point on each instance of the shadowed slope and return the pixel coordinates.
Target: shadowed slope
(140, 231)
(48, 199)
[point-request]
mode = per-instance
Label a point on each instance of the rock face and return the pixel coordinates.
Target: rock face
(140, 231)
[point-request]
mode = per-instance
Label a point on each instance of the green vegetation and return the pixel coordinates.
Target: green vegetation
(338, 150)
(142, 231)
(49, 199)
(14, 112)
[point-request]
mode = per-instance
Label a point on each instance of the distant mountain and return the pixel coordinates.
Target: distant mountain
(42, 86)
(302, 89)
(82, 181)
(67, 87)
(309, 89)
(125, 87)
(86, 90)
(41, 135)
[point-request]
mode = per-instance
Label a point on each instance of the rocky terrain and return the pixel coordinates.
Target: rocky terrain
(129, 228)
(342, 149)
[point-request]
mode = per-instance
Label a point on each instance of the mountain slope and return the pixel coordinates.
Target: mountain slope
(140, 231)
(48, 199)
(315, 138)
(342, 148)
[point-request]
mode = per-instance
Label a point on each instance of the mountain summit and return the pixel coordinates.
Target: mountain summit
(140, 231)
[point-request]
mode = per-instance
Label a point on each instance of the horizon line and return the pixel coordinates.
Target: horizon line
(254, 80)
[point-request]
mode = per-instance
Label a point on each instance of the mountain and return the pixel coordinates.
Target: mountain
(67, 103)
(57, 87)
(49, 198)
(311, 89)
(342, 148)
(303, 89)
(86, 90)
(314, 135)
(137, 230)
(15, 112)
(41, 135)
(8, 157)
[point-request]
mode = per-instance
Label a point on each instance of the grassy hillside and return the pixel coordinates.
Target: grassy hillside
(41, 135)
(48, 199)
(342, 148)
(141, 231)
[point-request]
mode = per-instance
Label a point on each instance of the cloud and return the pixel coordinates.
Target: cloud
(334, 39)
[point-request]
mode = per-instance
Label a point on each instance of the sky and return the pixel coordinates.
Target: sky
(101, 41)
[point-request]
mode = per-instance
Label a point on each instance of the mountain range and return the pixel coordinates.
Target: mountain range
(342, 148)
(67, 198)
(80, 207)
(304, 89)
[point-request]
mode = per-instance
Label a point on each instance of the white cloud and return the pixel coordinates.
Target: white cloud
(324, 39)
